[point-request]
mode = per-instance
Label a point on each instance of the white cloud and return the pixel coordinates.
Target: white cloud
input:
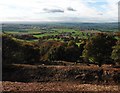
(33, 10)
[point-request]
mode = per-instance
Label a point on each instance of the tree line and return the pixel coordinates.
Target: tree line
(98, 49)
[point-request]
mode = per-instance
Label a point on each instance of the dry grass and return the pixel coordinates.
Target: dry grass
(57, 78)
(75, 66)
(58, 86)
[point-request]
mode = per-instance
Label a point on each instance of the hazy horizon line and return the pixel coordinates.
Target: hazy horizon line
(29, 22)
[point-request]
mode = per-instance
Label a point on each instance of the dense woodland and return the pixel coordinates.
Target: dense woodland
(99, 49)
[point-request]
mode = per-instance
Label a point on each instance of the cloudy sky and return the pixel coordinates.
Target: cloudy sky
(59, 10)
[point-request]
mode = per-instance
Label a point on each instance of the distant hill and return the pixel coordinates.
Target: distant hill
(80, 26)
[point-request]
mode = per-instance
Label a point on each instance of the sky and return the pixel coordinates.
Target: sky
(59, 10)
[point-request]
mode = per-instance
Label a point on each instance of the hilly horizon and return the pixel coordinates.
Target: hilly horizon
(73, 25)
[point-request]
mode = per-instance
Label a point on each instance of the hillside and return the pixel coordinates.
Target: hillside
(76, 78)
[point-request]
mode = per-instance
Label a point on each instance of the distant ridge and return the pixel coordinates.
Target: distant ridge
(80, 26)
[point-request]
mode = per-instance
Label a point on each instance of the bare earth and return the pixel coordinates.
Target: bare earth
(58, 86)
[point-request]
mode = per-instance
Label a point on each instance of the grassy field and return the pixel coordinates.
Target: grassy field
(39, 33)
(51, 32)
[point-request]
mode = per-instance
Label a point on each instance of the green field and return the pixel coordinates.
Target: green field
(65, 32)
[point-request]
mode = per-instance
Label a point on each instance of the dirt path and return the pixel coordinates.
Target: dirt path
(58, 86)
